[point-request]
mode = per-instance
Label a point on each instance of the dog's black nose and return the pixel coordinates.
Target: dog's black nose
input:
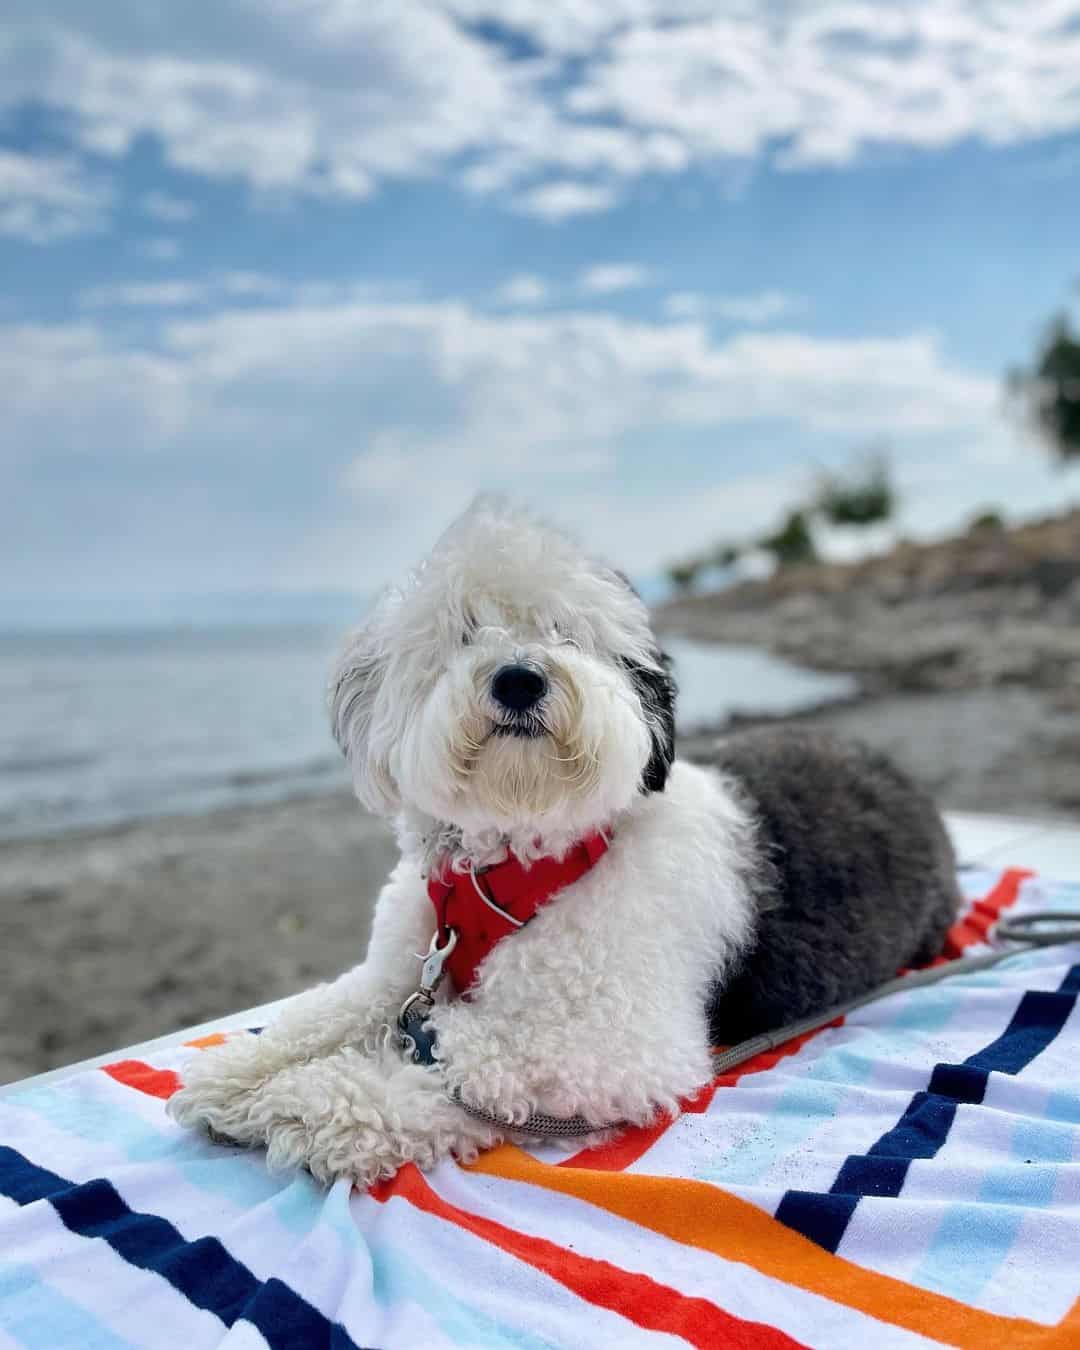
(518, 687)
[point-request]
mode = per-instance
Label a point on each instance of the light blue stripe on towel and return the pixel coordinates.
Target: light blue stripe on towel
(235, 1175)
(396, 1276)
(40, 1318)
(969, 1245)
(818, 1093)
(975, 1237)
(398, 1280)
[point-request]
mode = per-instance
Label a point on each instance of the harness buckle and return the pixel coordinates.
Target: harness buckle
(433, 969)
(416, 1039)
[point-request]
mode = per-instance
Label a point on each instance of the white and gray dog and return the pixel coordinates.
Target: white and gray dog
(595, 915)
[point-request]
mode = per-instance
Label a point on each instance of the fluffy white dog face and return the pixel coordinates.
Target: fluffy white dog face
(512, 686)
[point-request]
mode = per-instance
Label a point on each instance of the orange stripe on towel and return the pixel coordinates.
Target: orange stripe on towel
(703, 1216)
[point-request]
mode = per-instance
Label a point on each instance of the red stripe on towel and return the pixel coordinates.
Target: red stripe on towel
(975, 923)
(641, 1300)
(133, 1073)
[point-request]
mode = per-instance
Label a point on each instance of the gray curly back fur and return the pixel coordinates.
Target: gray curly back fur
(858, 877)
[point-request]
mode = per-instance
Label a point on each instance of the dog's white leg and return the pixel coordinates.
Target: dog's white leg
(223, 1087)
(363, 1116)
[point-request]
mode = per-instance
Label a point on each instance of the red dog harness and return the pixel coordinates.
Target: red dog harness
(483, 907)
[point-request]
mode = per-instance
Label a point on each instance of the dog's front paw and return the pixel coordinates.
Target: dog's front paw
(221, 1091)
(355, 1150)
(363, 1117)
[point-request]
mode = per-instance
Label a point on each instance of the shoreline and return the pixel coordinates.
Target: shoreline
(95, 830)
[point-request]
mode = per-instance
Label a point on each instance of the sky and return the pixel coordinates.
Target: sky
(285, 282)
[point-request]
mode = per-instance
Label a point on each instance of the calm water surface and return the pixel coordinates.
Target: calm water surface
(98, 730)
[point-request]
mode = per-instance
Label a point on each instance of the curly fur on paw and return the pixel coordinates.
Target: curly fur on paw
(221, 1089)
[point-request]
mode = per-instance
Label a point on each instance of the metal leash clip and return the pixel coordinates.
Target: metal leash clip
(416, 1039)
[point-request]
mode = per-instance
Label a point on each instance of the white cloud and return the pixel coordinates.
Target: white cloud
(253, 284)
(172, 210)
(336, 97)
(411, 406)
(559, 200)
(46, 198)
(825, 83)
(144, 294)
(509, 384)
(759, 308)
(161, 249)
(523, 290)
(575, 27)
(180, 293)
(608, 278)
(325, 96)
(69, 391)
(686, 305)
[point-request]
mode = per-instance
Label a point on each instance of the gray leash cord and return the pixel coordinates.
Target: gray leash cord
(1045, 928)
(1042, 928)
(552, 1127)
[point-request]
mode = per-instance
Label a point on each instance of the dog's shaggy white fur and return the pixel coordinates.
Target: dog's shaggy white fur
(598, 1006)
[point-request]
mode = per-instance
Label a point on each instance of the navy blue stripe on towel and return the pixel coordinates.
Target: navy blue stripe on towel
(923, 1128)
(203, 1271)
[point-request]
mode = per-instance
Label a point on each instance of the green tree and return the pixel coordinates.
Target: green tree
(863, 498)
(725, 555)
(990, 519)
(793, 542)
(1051, 389)
(684, 575)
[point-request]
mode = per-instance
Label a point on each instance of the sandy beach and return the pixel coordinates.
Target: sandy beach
(115, 936)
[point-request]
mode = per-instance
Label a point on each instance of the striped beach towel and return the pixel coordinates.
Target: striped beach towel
(909, 1177)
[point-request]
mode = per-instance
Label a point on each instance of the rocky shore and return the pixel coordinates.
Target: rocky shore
(967, 654)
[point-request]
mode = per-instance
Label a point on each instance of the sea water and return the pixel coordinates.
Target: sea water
(103, 729)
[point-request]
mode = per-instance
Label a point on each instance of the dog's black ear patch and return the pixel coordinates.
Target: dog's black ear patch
(656, 689)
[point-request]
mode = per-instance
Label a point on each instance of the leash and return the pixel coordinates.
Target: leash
(1042, 928)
